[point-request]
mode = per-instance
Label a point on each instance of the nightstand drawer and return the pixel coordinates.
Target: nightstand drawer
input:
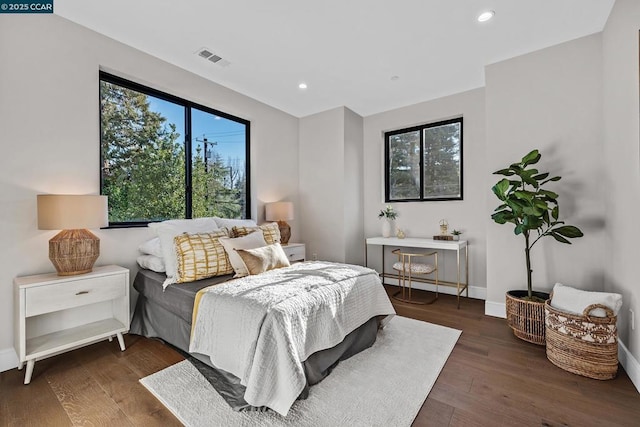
(45, 299)
(295, 252)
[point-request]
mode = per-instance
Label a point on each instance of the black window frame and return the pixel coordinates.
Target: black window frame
(128, 84)
(421, 129)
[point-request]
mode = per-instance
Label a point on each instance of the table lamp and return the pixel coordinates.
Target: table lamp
(280, 212)
(75, 249)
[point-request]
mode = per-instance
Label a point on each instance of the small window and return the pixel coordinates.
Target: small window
(163, 157)
(424, 163)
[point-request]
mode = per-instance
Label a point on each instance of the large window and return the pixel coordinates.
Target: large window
(424, 163)
(163, 157)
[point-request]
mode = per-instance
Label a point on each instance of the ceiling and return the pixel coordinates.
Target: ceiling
(347, 51)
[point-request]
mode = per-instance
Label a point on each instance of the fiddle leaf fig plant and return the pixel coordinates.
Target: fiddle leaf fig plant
(530, 207)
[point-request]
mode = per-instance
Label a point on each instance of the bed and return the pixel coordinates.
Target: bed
(343, 308)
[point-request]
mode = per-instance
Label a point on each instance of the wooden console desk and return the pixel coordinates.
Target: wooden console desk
(459, 247)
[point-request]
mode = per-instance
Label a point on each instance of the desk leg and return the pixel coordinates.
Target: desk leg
(458, 283)
(366, 254)
(466, 266)
(382, 274)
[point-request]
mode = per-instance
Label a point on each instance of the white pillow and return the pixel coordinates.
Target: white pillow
(151, 247)
(151, 262)
(571, 300)
(230, 223)
(167, 230)
(187, 225)
(250, 241)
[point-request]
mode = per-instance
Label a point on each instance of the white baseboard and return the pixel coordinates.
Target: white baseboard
(8, 359)
(495, 309)
(475, 292)
(630, 364)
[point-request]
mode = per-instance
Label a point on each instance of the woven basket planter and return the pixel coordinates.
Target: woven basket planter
(526, 318)
(584, 345)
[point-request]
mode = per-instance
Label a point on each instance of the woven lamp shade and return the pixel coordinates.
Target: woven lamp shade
(75, 249)
(280, 212)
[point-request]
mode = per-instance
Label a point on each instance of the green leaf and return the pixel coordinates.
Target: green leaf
(532, 211)
(569, 231)
(519, 229)
(555, 212)
(559, 238)
(533, 222)
(501, 188)
(549, 194)
(555, 178)
(505, 172)
(524, 195)
(516, 206)
(502, 217)
(545, 217)
(531, 158)
(541, 176)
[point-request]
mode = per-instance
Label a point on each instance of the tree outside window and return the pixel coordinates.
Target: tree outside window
(424, 163)
(163, 157)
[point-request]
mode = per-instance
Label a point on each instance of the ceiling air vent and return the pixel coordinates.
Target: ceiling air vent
(205, 53)
(216, 59)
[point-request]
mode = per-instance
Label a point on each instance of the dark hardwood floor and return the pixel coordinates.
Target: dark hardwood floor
(491, 379)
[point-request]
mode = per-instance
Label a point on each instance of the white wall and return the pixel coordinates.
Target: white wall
(321, 160)
(353, 188)
(622, 172)
(50, 138)
(331, 185)
(550, 100)
(420, 219)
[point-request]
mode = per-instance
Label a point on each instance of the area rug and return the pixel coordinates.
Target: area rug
(384, 385)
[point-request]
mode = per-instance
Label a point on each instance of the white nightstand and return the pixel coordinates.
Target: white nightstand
(295, 251)
(54, 314)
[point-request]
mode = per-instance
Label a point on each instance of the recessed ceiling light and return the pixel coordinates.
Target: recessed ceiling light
(485, 16)
(302, 86)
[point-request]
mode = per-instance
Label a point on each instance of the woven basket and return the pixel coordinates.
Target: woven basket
(584, 345)
(526, 318)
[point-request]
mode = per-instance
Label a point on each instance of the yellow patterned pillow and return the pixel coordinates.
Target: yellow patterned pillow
(200, 256)
(271, 232)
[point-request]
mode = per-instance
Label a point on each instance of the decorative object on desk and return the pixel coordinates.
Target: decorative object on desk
(400, 234)
(388, 215)
(444, 227)
(75, 249)
(529, 207)
(443, 237)
(280, 212)
(456, 234)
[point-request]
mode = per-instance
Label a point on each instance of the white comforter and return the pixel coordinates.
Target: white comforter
(261, 328)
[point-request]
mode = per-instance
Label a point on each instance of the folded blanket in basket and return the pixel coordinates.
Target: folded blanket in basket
(572, 300)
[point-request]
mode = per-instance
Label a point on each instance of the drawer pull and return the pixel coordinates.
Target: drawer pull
(82, 292)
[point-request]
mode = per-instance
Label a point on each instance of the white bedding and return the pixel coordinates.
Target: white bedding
(261, 328)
